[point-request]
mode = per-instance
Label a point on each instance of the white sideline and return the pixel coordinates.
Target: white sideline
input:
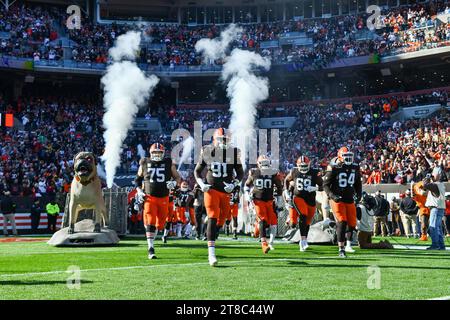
(190, 264)
(136, 267)
(441, 298)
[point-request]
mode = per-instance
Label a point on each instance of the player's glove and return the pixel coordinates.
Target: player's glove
(140, 196)
(311, 189)
(171, 184)
(205, 187)
(336, 198)
(229, 187)
(287, 196)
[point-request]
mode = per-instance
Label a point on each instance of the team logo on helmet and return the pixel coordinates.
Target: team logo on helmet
(303, 164)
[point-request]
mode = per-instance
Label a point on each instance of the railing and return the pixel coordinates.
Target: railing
(19, 63)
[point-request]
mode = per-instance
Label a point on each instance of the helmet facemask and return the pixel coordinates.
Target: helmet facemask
(347, 157)
(157, 155)
(303, 167)
(264, 164)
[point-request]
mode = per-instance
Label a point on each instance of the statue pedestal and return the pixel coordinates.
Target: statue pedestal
(84, 236)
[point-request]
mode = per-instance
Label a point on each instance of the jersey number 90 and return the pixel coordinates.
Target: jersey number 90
(263, 183)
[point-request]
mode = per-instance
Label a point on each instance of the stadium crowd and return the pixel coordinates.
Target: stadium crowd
(31, 32)
(409, 28)
(37, 159)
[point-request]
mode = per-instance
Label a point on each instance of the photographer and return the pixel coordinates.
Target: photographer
(364, 212)
(436, 203)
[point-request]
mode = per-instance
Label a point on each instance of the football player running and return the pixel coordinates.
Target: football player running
(171, 217)
(342, 184)
(233, 214)
(305, 181)
(184, 205)
(157, 174)
(259, 188)
(224, 173)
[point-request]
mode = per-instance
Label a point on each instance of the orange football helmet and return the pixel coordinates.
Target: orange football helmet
(263, 162)
(220, 138)
(345, 155)
(157, 151)
(303, 164)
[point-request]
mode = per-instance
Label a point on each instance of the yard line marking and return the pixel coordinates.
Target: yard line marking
(191, 264)
(441, 298)
(134, 267)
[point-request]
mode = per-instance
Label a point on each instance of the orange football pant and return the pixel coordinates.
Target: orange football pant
(265, 212)
(233, 211)
(181, 216)
(305, 210)
(217, 205)
(344, 212)
(156, 211)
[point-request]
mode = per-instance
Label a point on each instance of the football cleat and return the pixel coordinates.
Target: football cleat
(151, 254)
(212, 260)
(342, 254)
(271, 246)
(349, 249)
(265, 247)
(164, 239)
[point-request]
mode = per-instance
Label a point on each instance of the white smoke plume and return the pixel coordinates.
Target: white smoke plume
(188, 146)
(101, 172)
(126, 89)
(244, 89)
(213, 49)
(140, 151)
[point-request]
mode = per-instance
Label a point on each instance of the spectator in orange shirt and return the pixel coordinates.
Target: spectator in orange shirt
(447, 215)
(420, 196)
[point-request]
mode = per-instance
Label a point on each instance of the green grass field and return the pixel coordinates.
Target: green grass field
(37, 271)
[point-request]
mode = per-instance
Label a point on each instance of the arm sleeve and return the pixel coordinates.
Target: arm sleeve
(249, 182)
(328, 181)
(320, 183)
(358, 185)
(287, 180)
